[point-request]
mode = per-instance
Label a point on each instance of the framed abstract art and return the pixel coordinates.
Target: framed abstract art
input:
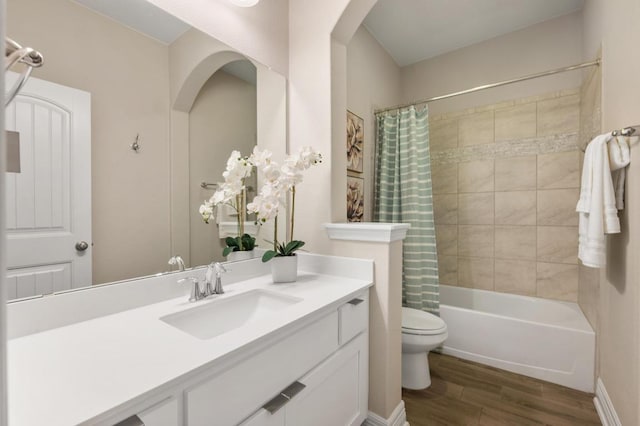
(355, 199)
(355, 142)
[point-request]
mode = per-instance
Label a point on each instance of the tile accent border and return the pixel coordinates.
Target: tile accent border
(514, 148)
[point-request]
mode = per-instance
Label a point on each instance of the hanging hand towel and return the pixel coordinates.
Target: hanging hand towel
(619, 158)
(597, 204)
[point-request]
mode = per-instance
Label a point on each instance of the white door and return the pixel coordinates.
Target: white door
(48, 203)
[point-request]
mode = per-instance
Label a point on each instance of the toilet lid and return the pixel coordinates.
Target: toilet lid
(415, 321)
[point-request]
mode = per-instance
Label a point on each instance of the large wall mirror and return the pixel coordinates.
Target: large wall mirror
(119, 73)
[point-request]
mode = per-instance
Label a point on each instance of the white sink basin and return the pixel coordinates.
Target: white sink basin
(220, 316)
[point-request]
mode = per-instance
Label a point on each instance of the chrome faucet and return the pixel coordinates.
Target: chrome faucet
(196, 293)
(177, 260)
(218, 269)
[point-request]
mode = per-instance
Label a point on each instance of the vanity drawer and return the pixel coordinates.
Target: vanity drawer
(233, 395)
(162, 414)
(353, 317)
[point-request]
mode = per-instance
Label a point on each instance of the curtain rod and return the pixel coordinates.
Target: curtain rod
(492, 85)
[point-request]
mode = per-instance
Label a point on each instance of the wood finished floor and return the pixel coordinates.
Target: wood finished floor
(466, 393)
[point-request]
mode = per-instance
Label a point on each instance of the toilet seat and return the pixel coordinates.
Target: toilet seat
(421, 323)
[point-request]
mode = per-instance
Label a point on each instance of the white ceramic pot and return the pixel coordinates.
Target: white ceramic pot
(284, 269)
(234, 256)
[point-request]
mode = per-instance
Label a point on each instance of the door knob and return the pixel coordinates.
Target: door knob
(82, 245)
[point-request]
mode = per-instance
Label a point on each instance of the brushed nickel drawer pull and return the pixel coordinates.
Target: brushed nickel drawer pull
(284, 397)
(293, 389)
(131, 421)
(355, 302)
(276, 403)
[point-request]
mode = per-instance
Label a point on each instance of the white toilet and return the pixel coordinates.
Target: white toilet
(421, 333)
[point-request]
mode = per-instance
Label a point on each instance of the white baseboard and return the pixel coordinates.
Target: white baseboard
(397, 418)
(604, 406)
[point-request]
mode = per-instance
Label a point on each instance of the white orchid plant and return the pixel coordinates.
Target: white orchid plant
(279, 181)
(232, 193)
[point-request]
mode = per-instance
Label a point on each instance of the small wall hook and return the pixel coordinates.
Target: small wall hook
(135, 146)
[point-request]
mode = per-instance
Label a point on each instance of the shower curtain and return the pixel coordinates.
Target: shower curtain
(403, 194)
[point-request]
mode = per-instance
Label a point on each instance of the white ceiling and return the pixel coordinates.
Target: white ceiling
(141, 16)
(414, 30)
(410, 30)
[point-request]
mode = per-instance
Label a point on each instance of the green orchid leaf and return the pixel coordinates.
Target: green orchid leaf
(248, 242)
(268, 255)
(231, 242)
(227, 251)
(292, 247)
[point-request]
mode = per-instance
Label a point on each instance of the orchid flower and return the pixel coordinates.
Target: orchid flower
(277, 182)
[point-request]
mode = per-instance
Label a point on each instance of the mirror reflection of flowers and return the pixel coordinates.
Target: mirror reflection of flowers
(233, 193)
(271, 200)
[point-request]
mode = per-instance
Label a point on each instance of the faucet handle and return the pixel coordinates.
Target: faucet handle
(196, 293)
(219, 268)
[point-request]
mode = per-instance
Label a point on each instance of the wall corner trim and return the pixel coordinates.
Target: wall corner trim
(367, 231)
(397, 418)
(604, 406)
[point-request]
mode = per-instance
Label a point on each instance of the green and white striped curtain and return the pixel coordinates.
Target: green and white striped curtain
(403, 194)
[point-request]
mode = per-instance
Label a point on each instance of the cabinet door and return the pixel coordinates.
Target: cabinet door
(162, 414)
(234, 394)
(265, 418)
(336, 392)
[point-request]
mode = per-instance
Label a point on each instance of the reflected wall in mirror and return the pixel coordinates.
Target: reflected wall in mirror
(189, 98)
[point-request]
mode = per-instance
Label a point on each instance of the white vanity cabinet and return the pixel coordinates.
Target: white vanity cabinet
(335, 392)
(304, 362)
(335, 378)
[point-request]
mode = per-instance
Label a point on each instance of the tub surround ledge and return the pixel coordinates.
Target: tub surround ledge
(367, 231)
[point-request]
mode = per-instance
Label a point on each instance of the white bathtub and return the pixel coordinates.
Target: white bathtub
(545, 339)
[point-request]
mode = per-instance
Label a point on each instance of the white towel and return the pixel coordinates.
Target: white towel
(597, 204)
(619, 158)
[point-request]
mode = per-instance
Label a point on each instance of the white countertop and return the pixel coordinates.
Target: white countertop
(77, 373)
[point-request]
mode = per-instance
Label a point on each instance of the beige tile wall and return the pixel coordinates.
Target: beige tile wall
(590, 125)
(505, 195)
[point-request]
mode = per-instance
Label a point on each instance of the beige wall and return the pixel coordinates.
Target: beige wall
(373, 81)
(223, 119)
(129, 96)
(548, 45)
(310, 113)
(505, 184)
(619, 298)
(317, 105)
